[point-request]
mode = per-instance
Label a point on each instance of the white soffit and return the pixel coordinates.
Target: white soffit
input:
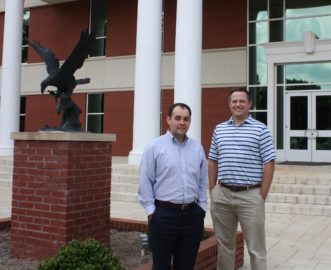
(35, 3)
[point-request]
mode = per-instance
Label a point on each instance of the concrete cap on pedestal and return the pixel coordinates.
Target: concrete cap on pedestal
(62, 136)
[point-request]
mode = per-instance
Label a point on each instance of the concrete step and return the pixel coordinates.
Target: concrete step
(124, 196)
(124, 187)
(124, 179)
(125, 169)
(6, 161)
(301, 189)
(6, 171)
(299, 199)
(302, 180)
(298, 209)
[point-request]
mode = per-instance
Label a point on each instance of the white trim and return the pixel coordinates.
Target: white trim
(310, 50)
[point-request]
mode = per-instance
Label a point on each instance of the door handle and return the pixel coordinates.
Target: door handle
(308, 134)
(314, 133)
(311, 133)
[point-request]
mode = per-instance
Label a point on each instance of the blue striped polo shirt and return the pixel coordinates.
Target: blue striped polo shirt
(241, 151)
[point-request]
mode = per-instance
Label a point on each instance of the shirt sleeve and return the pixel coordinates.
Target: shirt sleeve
(147, 180)
(203, 182)
(213, 147)
(267, 148)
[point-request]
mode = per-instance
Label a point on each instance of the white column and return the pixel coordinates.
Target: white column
(188, 60)
(11, 74)
(146, 122)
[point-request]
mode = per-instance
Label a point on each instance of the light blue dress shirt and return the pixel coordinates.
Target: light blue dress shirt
(173, 171)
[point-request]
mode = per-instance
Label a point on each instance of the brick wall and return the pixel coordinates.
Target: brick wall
(122, 28)
(118, 119)
(224, 24)
(58, 27)
(215, 109)
(61, 191)
(40, 110)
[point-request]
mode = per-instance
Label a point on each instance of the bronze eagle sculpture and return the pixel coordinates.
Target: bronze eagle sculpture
(63, 79)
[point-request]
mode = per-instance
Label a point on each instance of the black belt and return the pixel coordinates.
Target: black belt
(182, 207)
(239, 188)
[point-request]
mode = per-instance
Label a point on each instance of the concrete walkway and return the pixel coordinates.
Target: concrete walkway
(293, 241)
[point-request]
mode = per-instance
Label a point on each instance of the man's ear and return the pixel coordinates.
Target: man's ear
(168, 119)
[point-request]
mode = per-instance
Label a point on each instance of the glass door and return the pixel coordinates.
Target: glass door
(321, 143)
(298, 122)
(308, 126)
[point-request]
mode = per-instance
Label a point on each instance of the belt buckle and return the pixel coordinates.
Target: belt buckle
(184, 206)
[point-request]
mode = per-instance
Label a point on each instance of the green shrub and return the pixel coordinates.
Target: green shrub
(82, 255)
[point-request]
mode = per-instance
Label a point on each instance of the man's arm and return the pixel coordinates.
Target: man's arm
(268, 173)
(146, 181)
(203, 181)
(212, 173)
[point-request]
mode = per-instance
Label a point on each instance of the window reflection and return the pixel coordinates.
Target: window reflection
(258, 10)
(25, 38)
(296, 8)
(95, 113)
(95, 103)
(258, 32)
(323, 112)
(259, 98)
(261, 116)
(298, 113)
(295, 28)
(99, 26)
(258, 67)
(323, 143)
(276, 31)
(298, 143)
(308, 76)
(276, 9)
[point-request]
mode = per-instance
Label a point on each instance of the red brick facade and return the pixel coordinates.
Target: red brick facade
(61, 192)
(58, 26)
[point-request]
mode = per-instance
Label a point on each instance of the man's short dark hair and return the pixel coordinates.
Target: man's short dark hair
(241, 89)
(182, 105)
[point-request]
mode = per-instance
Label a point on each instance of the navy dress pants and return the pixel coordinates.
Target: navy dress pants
(175, 237)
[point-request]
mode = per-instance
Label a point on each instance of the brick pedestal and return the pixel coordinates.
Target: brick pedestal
(61, 191)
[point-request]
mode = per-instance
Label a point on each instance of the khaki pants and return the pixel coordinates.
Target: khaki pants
(246, 207)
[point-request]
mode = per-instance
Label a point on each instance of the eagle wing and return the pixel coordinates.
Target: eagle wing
(79, 53)
(51, 61)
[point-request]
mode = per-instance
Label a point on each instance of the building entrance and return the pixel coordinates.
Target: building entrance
(308, 126)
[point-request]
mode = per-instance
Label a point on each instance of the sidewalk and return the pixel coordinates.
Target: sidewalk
(293, 242)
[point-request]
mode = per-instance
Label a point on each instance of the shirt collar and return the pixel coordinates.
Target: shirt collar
(248, 120)
(174, 140)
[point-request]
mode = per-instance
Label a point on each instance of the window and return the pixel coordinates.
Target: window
(94, 117)
(279, 21)
(98, 25)
(22, 114)
(25, 43)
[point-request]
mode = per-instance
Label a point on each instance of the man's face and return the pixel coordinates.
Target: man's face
(179, 122)
(239, 105)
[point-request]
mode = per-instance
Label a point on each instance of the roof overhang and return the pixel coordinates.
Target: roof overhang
(35, 3)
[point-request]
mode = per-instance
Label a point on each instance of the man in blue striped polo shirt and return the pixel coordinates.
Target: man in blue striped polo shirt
(241, 164)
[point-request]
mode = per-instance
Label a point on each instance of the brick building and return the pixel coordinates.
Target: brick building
(150, 53)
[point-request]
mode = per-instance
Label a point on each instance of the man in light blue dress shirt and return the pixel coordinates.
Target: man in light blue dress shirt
(172, 189)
